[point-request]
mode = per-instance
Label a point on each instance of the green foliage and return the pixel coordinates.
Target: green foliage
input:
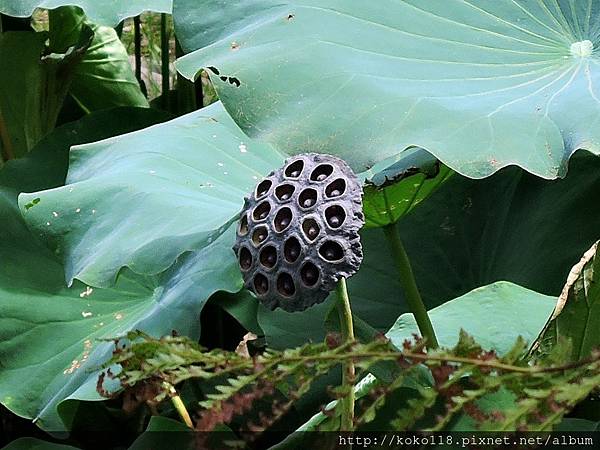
(462, 375)
(102, 13)
(132, 227)
(481, 85)
(34, 85)
(104, 78)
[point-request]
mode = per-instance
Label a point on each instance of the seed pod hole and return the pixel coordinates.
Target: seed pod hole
(311, 229)
(268, 256)
(263, 187)
(294, 169)
(284, 192)
(307, 198)
(245, 258)
(260, 235)
(321, 172)
(335, 188)
(285, 285)
(261, 211)
(243, 228)
(291, 249)
(335, 216)
(283, 219)
(261, 284)
(331, 251)
(309, 273)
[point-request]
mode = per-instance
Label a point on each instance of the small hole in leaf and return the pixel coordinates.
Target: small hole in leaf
(245, 258)
(261, 284)
(284, 192)
(335, 188)
(294, 169)
(291, 249)
(243, 228)
(335, 216)
(321, 172)
(285, 285)
(260, 235)
(261, 211)
(331, 251)
(311, 229)
(262, 188)
(309, 274)
(268, 256)
(307, 198)
(283, 219)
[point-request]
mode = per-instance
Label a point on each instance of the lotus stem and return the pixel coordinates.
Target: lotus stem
(348, 370)
(409, 285)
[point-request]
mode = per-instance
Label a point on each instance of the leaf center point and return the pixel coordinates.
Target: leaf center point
(582, 48)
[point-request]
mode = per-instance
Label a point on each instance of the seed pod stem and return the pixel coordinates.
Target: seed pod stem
(348, 373)
(409, 285)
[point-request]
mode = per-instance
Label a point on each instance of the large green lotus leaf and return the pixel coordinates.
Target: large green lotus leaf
(495, 315)
(142, 199)
(33, 87)
(577, 314)
(108, 13)
(49, 333)
(470, 233)
(479, 84)
(104, 77)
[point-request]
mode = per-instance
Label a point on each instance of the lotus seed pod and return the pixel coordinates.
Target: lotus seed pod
(298, 232)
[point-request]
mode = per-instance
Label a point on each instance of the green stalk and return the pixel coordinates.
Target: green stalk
(409, 285)
(348, 370)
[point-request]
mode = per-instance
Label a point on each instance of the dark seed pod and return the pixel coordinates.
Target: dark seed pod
(298, 232)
